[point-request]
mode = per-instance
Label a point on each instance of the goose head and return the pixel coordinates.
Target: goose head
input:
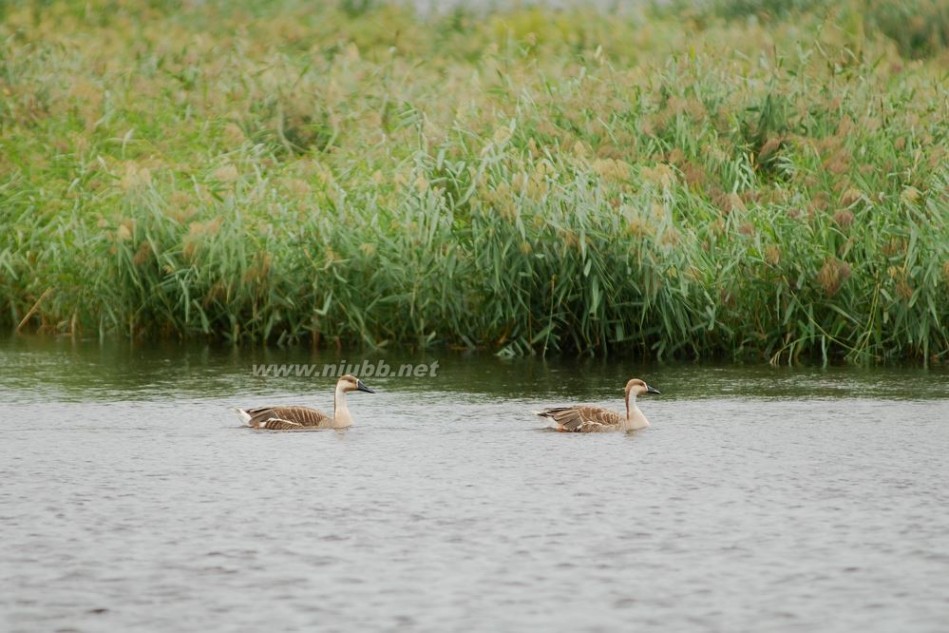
(349, 383)
(637, 387)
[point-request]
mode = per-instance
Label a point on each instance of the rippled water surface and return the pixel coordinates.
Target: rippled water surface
(760, 499)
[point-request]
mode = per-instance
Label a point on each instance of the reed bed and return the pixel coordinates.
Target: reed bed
(671, 183)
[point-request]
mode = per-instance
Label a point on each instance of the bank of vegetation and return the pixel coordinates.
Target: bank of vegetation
(740, 179)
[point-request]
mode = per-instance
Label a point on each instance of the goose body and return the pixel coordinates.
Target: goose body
(293, 418)
(592, 419)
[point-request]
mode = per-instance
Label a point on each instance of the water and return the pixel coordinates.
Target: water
(760, 499)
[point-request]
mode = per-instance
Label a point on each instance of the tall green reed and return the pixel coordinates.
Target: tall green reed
(521, 185)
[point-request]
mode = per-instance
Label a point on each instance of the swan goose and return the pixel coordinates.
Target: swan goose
(591, 419)
(290, 418)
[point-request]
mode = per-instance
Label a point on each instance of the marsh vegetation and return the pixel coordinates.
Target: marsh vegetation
(735, 181)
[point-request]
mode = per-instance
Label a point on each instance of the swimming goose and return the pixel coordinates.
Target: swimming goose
(590, 419)
(295, 418)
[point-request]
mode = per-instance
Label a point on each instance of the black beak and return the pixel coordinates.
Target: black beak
(653, 390)
(361, 386)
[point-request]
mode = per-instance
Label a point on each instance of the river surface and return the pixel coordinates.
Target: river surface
(760, 499)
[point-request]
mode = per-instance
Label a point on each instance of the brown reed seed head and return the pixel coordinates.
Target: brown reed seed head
(843, 218)
(832, 275)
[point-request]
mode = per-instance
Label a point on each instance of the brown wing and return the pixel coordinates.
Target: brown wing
(276, 424)
(286, 418)
(582, 419)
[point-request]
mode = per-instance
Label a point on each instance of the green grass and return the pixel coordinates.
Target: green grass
(676, 183)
